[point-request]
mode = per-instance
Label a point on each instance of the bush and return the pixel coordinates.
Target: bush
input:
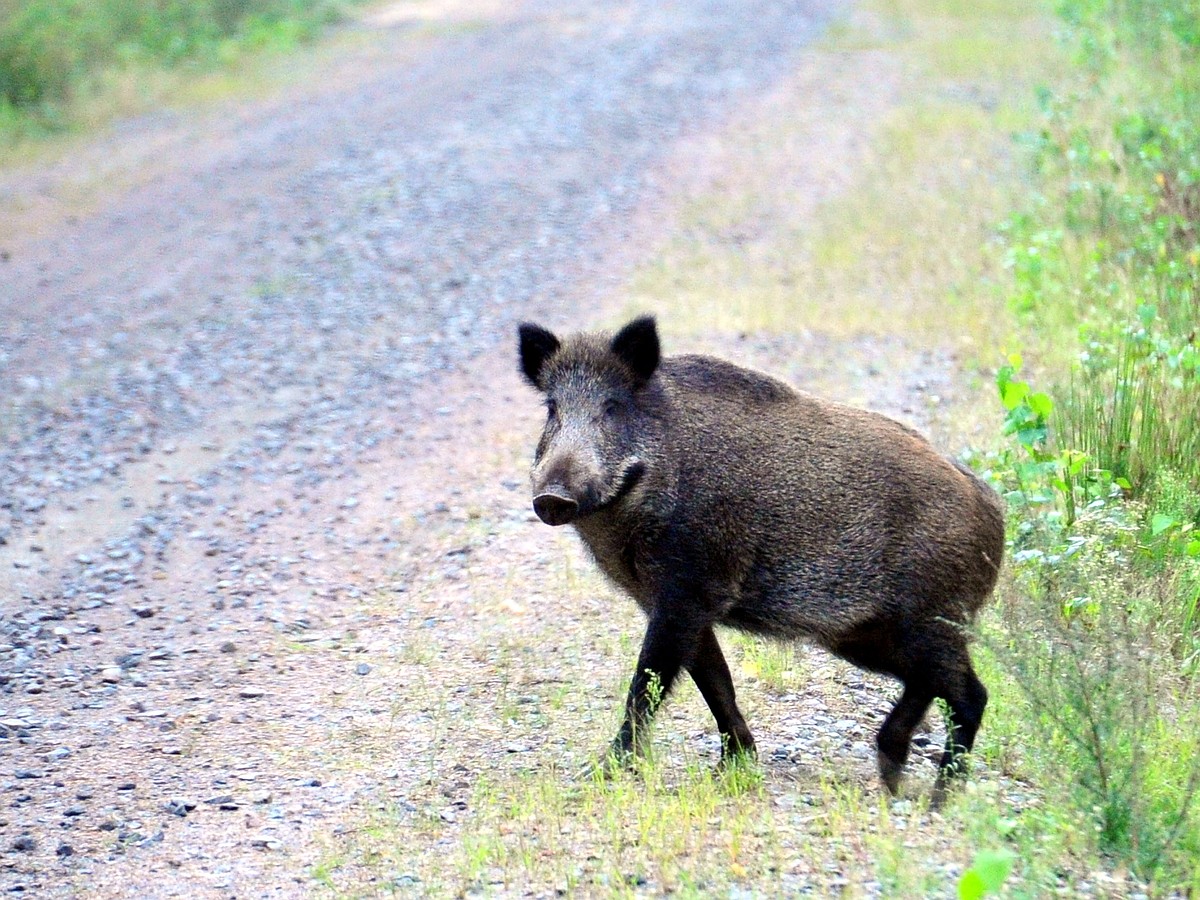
(1110, 248)
(1100, 634)
(50, 48)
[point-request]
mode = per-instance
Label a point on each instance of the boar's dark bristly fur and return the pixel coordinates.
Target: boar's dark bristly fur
(715, 495)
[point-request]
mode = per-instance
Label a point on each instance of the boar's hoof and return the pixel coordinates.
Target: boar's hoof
(738, 744)
(737, 761)
(890, 773)
(555, 509)
(607, 766)
(948, 778)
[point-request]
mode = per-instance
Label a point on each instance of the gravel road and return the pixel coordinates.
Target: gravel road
(239, 379)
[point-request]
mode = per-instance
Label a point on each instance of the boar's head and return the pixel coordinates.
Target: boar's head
(601, 416)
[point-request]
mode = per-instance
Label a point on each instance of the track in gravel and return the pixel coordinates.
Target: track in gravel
(201, 377)
(359, 241)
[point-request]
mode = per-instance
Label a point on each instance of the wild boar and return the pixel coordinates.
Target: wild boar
(716, 495)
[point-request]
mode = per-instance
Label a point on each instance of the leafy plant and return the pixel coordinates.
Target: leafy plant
(987, 874)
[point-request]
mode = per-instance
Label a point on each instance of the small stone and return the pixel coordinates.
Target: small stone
(65, 850)
(111, 675)
(229, 647)
(251, 693)
(72, 811)
(143, 612)
(29, 773)
(24, 844)
(363, 668)
(126, 786)
(84, 793)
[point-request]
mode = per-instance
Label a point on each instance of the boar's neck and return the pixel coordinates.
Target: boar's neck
(615, 535)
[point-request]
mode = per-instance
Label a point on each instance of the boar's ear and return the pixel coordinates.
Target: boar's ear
(636, 345)
(537, 345)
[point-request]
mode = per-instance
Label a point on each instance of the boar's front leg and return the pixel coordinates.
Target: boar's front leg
(671, 643)
(711, 674)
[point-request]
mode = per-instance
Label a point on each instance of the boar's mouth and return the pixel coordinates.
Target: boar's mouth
(556, 506)
(632, 474)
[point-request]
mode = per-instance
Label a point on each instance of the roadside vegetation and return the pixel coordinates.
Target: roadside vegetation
(67, 63)
(1099, 631)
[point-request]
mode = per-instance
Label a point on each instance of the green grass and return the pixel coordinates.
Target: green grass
(63, 63)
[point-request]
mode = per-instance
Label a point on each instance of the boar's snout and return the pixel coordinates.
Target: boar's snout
(554, 507)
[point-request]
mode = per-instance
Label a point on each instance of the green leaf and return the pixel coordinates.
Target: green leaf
(993, 867)
(1160, 523)
(1012, 393)
(970, 886)
(1031, 436)
(1193, 549)
(986, 875)
(1041, 404)
(1123, 483)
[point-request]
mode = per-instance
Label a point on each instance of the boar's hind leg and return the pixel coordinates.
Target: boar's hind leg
(932, 661)
(711, 675)
(966, 696)
(895, 737)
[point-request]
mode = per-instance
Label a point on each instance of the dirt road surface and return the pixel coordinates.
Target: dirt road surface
(263, 511)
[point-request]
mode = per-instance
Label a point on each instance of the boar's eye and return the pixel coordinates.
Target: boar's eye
(611, 408)
(552, 408)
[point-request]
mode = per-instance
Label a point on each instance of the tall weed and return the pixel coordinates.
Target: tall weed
(1106, 258)
(1100, 635)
